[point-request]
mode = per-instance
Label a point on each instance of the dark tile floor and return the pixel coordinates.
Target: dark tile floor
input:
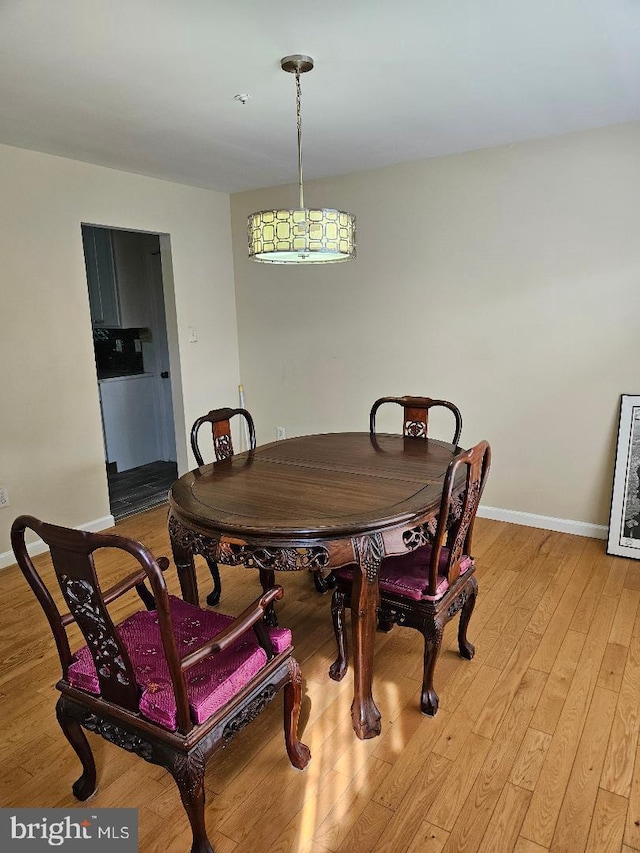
(141, 488)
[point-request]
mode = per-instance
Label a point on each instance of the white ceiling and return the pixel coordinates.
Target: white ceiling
(148, 86)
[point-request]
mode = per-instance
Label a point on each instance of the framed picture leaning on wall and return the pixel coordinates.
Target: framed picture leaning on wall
(624, 523)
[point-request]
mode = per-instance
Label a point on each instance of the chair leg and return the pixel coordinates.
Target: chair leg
(384, 624)
(298, 752)
(323, 583)
(188, 771)
(320, 582)
(432, 632)
(339, 667)
(267, 581)
(85, 786)
(467, 650)
(214, 596)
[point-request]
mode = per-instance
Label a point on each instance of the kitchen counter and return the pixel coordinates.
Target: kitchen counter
(115, 375)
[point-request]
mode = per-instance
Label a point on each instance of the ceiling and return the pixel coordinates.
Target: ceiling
(148, 86)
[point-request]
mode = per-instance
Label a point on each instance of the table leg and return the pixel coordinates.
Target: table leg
(183, 558)
(364, 603)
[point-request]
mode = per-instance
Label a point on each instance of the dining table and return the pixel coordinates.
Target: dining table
(316, 502)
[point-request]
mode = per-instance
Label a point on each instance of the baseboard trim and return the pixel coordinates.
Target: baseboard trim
(38, 547)
(546, 522)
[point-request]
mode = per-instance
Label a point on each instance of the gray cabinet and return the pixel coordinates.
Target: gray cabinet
(101, 276)
(130, 429)
(117, 278)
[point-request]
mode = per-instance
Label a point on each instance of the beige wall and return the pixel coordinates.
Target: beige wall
(507, 280)
(51, 451)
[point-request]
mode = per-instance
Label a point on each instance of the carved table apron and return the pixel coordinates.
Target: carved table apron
(316, 501)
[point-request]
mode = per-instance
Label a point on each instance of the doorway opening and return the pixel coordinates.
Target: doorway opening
(129, 279)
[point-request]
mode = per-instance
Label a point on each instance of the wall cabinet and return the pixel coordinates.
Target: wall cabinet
(117, 281)
(101, 276)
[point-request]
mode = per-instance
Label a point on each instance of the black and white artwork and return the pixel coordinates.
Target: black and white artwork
(624, 524)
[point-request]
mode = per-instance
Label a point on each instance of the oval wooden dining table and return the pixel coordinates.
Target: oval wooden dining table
(315, 501)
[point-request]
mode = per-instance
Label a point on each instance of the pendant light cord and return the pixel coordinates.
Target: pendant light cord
(299, 121)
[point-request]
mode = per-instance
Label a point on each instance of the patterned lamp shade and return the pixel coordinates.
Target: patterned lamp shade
(302, 236)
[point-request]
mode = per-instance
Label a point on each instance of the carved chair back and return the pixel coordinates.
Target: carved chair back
(220, 420)
(72, 555)
(454, 530)
(221, 432)
(416, 415)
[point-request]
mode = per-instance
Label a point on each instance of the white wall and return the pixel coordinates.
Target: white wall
(506, 280)
(51, 451)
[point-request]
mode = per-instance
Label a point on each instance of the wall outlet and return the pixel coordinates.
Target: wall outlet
(4, 497)
(280, 433)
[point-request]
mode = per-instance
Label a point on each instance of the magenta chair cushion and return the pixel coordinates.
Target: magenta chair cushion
(408, 574)
(211, 683)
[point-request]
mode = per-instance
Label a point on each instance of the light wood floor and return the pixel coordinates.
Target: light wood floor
(535, 746)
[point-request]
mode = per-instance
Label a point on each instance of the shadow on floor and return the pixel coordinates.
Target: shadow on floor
(140, 488)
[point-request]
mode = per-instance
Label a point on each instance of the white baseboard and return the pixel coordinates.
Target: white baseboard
(38, 547)
(546, 522)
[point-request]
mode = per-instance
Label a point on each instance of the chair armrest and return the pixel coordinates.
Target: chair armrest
(249, 617)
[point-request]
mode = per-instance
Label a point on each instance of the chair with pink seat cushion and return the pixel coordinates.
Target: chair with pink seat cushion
(174, 684)
(426, 587)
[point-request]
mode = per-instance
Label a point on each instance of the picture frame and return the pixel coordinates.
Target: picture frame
(624, 522)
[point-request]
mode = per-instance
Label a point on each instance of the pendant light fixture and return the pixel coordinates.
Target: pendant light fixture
(301, 235)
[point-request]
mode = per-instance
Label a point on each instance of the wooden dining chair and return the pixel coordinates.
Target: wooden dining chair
(220, 421)
(426, 587)
(172, 685)
(416, 415)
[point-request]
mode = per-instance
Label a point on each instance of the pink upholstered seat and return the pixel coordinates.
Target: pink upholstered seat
(408, 574)
(211, 683)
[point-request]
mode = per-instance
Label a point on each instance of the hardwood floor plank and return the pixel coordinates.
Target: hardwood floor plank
(528, 764)
(574, 820)
(632, 827)
(607, 826)
(498, 702)
(523, 845)
(401, 778)
(461, 722)
(340, 820)
(428, 839)
(618, 767)
(458, 782)
(546, 802)
(367, 830)
(506, 820)
(412, 810)
(612, 669)
(467, 833)
(625, 618)
(555, 692)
